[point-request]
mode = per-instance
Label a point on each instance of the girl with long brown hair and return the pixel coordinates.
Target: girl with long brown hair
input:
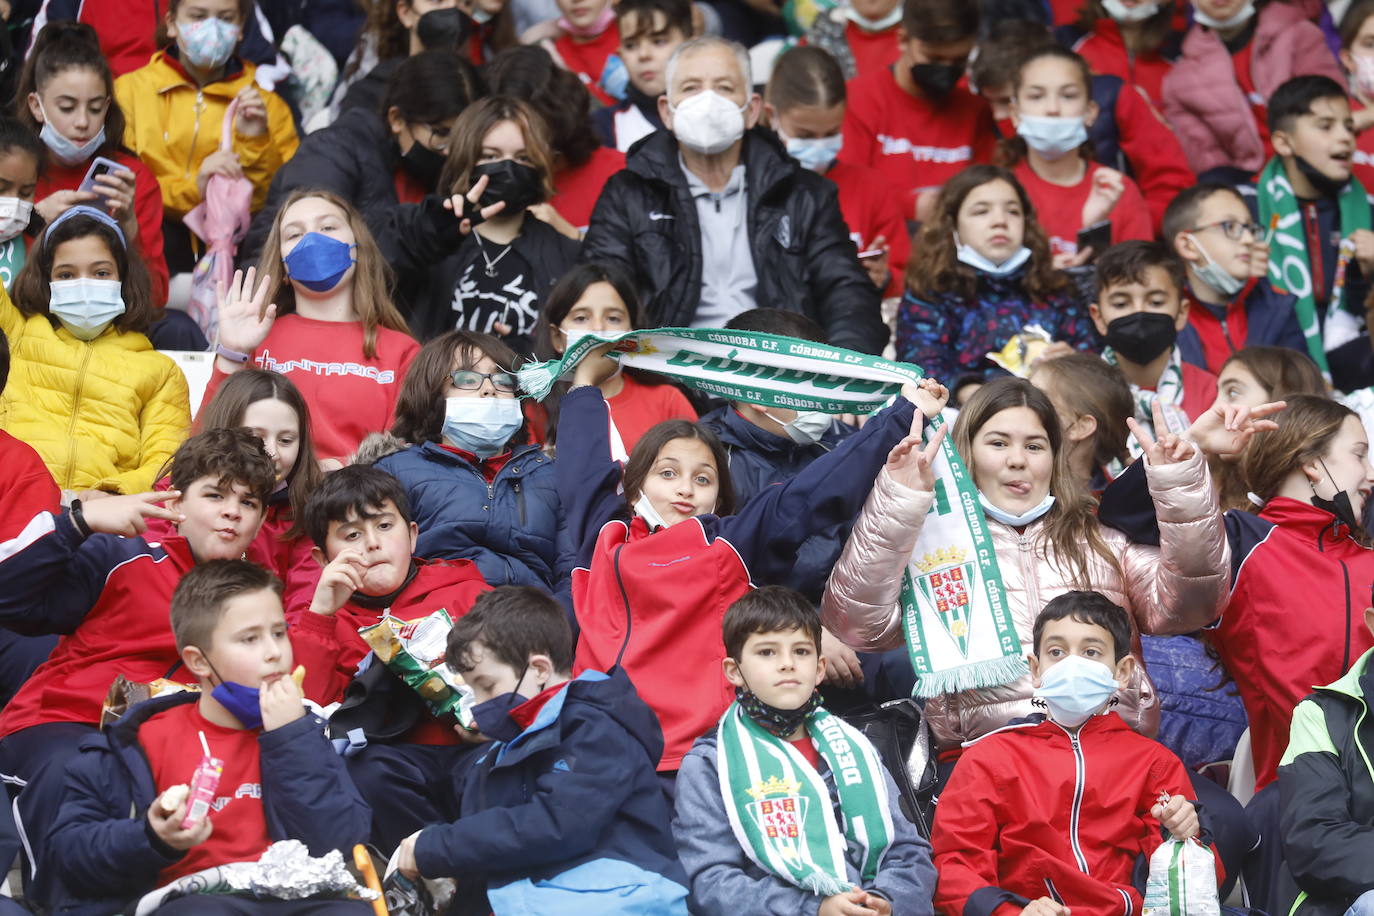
(984, 274)
(317, 309)
(1044, 529)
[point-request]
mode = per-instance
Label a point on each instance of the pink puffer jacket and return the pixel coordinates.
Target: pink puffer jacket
(1177, 587)
(1205, 105)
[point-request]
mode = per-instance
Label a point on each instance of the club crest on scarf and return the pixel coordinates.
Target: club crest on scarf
(945, 582)
(779, 812)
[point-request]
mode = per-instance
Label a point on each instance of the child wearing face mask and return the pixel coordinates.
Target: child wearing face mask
(561, 812)
(462, 266)
(78, 314)
(584, 39)
(21, 156)
(1231, 302)
(478, 489)
(321, 316)
(173, 107)
(650, 30)
(663, 547)
(985, 274)
(66, 77)
(912, 121)
(805, 104)
(599, 299)
(1235, 56)
(1357, 58)
(1081, 798)
(1052, 108)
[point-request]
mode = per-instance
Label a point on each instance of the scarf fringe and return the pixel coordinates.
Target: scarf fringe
(973, 676)
(537, 379)
(823, 885)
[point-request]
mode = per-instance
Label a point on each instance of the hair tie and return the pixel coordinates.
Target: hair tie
(100, 216)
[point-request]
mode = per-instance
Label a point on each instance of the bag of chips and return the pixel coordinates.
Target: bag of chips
(1182, 882)
(413, 650)
(124, 694)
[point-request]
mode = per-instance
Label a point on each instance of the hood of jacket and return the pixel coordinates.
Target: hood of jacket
(612, 694)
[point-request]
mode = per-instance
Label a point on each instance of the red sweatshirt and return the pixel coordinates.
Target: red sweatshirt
(349, 395)
(1068, 819)
(917, 144)
(1060, 209)
(1156, 157)
(588, 59)
(576, 190)
(171, 742)
(870, 209)
(872, 50)
(26, 488)
(330, 647)
(147, 206)
(1105, 51)
(126, 30)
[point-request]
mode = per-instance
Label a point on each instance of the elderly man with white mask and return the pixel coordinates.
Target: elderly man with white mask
(713, 218)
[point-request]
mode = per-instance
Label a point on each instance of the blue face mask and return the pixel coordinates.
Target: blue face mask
(318, 262)
(1016, 521)
(493, 717)
(1076, 689)
(971, 256)
(814, 153)
(482, 426)
(241, 701)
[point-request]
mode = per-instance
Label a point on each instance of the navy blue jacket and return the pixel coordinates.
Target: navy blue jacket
(1270, 321)
(1201, 716)
(574, 795)
(104, 849)
(761, 459)
(508, 527)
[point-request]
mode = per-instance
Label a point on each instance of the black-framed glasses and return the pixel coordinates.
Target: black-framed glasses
(1233, 229)
(471, 380)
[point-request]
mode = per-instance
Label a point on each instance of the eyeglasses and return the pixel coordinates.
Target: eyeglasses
(1233, 229)
(470, 380)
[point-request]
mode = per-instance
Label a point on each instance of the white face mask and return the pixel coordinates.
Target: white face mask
(814, 153)
(64, 150)
(14, 216)
(875, 25)
(1016, 521)
(1241, 17)
(1213, 274)
(481, 426)
(1122, 13)
(708, 122)
(1052, 138)
(86, 307)
(1076, 689)
(1364, 74)
(806, 429)
(971, 256)
(645, 510)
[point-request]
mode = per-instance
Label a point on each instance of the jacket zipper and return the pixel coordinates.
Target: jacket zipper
(520, 502)
(76, 407)
(195, 133)
(1345, 659)
(1080, 774)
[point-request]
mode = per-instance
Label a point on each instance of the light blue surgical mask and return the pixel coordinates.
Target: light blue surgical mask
(971, 256)
(806, 429)
(1214, 275)
(64, 150)
(814, 153)
(1052, 138)
(86, 307)
(482, 426)
(1016, 521)
(1075, 689)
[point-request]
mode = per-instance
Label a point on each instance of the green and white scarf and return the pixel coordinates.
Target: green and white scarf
(779, 806)
(1290, 266)
(958, 632)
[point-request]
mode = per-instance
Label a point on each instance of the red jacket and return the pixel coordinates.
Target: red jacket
(1105, 51)
(147, 207)
(1199, 390)
(27, 487)
(330, 647)
(871, 208)
(1060, 209)
(576, 190)
(1299, 589)
(1032, 811)
(109, 597)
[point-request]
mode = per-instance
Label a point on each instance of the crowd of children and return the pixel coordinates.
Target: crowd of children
(1050, 571)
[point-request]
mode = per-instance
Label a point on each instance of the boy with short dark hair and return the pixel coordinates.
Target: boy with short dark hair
(1139, 312)
(87, 575)
(912, 121)
(785, 805)
(1231, 304)
(650, 30)
(1044, 843)
(565, 800)
(1322, 250)
(121, 831)
(360, 521)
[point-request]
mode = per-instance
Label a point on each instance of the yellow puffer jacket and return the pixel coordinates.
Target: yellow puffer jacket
(173, 126)
(104, 414)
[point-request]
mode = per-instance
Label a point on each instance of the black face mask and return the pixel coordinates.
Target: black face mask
(937, 80)
(444, 29)
(519, 185)
(1326, 187)
(1339, 505)
(1140, 337)
(780, 722)
(423, 164)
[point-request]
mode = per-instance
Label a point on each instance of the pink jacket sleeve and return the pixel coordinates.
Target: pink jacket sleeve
(1183, 584)
(860, 604)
